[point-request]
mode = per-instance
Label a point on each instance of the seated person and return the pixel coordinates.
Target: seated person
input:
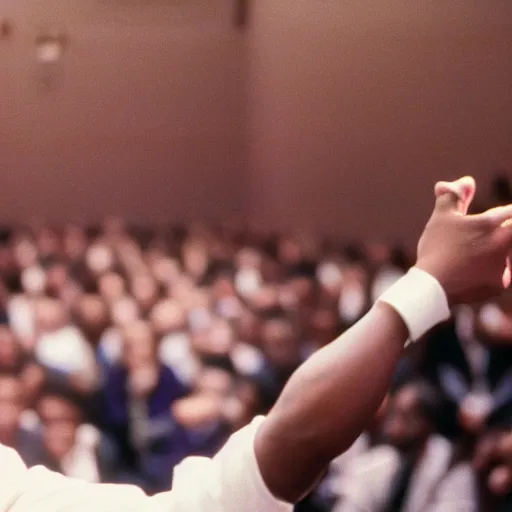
(205, 415)
(408, 473)
(12, 433)
(68, 445)
(137, 397)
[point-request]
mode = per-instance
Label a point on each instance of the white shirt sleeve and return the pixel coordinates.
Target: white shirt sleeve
(230, 482)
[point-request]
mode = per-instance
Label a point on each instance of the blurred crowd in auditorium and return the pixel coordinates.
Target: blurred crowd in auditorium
(125, 349)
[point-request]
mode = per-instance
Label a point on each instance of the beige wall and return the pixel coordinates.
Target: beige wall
(328, 113)
(358, 107)
(147, 119)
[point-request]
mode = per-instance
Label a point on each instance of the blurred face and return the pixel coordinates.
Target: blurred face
(223, 288)
(249, 328)
(145, 291)
(57, 278)
(289, 252)
(33, 281)
(220, 338)
(139, 346)
(48, 242)
(279, 343)
(266, 298)
(11, 407)
(167, 316)
(406, 428)
(111, 287)
(325, 324)
(10, 351)
(92, 316)
(165, 270)
(60, 420)
(214, 381)
(75, 242)
(124, 311)
(25, 253)
(99, 259)
(195, 259)
(51, 315)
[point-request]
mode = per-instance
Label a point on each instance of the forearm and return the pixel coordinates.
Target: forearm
(328, 402)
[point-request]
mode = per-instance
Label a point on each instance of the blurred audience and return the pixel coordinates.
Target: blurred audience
(125, 349)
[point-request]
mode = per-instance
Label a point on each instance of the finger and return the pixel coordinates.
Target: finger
(500, 480)
(455, 196)
(500, 216)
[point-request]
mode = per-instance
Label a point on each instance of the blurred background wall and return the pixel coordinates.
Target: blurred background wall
(330, 114)
(357, 107)
(145, 118)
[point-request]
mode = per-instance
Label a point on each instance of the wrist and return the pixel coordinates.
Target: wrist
(420, 300)
(439, 275)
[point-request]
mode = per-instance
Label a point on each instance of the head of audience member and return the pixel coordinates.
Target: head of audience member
(99, 259)
(411, 417)
(51, 315)
(195, 259)
(111, 287)
(267, 298)
(248, 278)
(224, 295)
(289, 252)
(249, 327)
(165, 270)
(280, 343)
(48, 243)
(216, 341)
(92, 317)
(60, 410)
(24, 252)
(330, 278)
(167, 317)
(124, 311)
(74, 242)
(11, 352)
(145, 291)
(199, 310)
(325, 325)
(214, 381)
(11, 407)
(114, 227)
(57, 277)
(33, 281)
(139, 347)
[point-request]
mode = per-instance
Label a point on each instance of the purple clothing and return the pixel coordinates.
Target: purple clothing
(165, 442)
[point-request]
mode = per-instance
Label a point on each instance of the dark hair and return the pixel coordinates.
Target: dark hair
(55, 388)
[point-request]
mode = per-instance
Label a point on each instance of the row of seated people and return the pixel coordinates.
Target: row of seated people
(124, 350)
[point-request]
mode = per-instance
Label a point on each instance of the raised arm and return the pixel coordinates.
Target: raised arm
(333, 396)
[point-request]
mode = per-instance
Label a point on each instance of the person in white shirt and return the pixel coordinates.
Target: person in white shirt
(277, 460)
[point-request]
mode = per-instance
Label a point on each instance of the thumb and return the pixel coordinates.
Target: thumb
(455, 196)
